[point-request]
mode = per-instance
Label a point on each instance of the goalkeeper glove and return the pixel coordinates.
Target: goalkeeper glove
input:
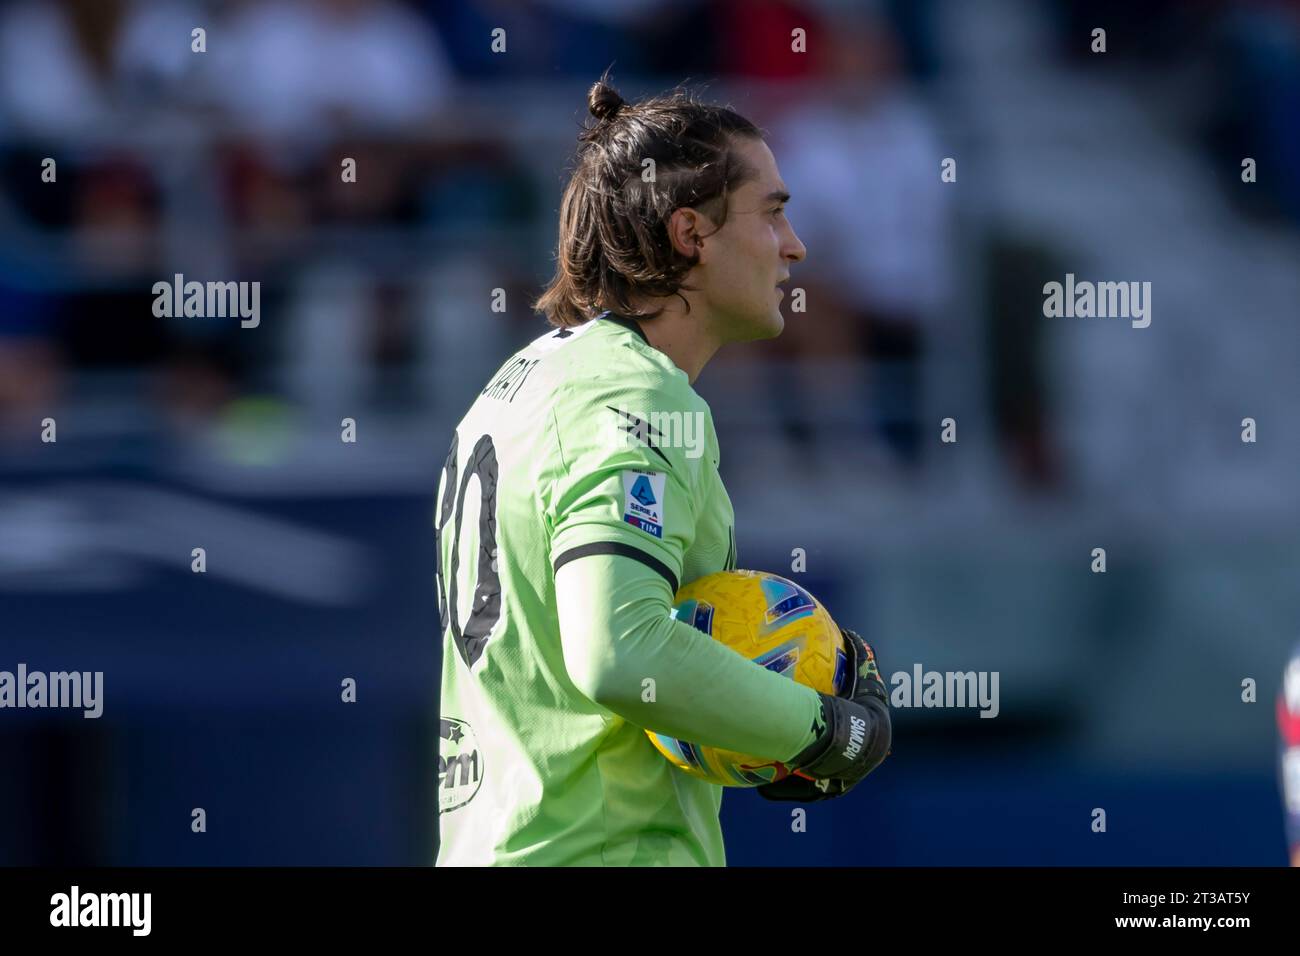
(854, 739)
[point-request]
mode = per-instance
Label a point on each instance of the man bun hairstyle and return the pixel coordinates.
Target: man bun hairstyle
(613, 243)
(603, 101)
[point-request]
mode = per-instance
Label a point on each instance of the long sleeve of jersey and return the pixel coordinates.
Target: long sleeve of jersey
(624, 651)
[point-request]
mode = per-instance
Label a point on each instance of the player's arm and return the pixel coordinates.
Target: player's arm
(623, 512)
(617, 567)
(624, 651)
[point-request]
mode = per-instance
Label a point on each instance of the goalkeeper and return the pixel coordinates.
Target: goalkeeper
(566, 523)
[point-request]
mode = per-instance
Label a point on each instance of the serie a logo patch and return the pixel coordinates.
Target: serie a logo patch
(643, 501)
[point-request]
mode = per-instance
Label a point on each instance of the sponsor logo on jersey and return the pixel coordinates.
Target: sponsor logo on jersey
(643, 501)
(664, 428)
(637, 429)
(460, 764)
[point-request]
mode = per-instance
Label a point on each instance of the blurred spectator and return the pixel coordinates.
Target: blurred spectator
(30, 365)
(759, 38)
(1258, 103)
(577, 38)
(863, 165)
(1016, 341)
(57, 63)
(76, 65)
(300, 67)
(107, 319)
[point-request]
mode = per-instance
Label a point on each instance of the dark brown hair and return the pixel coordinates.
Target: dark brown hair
(614, 243)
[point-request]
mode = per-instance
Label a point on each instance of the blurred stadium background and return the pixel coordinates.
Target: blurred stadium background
(1120, 691)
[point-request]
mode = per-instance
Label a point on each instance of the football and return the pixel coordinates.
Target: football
(776, 624)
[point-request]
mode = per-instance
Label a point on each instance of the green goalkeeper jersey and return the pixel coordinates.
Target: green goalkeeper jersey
(588, 452)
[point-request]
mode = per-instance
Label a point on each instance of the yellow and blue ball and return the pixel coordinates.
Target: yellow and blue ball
(776, 624)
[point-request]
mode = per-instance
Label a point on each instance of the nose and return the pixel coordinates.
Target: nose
(793, 249)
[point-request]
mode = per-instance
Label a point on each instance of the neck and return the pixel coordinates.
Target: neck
(685, 337)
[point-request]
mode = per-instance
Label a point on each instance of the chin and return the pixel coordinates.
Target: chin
(754, 325)
(771, 326)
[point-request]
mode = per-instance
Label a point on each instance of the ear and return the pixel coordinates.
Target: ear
(684, 228)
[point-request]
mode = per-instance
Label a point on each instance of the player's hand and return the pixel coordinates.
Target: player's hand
(855, 740)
